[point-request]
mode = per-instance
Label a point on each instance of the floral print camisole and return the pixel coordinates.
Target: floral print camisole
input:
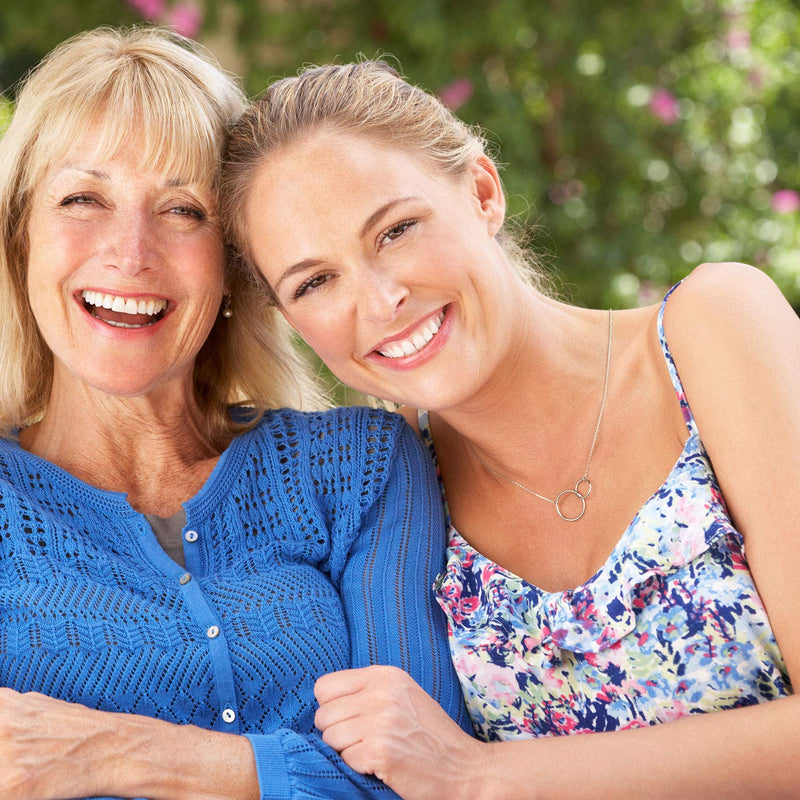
(670, 625)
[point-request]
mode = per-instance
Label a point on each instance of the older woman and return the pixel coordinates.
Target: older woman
(602, 575)
(160, 553)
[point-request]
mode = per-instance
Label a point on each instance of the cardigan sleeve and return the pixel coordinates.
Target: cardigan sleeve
(387, 552)
(387, 580)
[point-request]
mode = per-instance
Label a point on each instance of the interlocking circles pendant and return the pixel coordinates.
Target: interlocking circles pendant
(580, 495)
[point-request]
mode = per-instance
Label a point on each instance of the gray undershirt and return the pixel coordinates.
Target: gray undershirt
(169, 532)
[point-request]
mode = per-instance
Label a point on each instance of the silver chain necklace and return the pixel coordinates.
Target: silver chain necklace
(583, 487)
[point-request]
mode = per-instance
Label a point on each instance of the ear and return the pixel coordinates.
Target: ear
(487, 190)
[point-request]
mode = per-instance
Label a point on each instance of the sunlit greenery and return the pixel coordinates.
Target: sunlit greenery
(639, 139)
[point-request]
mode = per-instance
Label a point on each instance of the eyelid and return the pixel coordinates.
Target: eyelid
(77, 196)
(406, 224)
(189, 209)
(305, 286)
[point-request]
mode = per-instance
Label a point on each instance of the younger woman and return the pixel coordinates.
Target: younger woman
(624, 542)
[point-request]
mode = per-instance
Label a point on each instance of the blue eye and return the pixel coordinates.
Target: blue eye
(189, 211)
(77, 199)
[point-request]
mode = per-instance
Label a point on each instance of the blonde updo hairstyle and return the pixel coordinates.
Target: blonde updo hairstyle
(368, 98)
(155, 84)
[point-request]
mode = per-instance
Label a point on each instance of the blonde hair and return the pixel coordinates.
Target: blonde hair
(158, 83)
(368, 98)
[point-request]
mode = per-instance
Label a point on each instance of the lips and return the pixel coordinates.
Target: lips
(124, 312)
(415, 341)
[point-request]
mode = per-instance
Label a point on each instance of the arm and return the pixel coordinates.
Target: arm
(381, 535)
(387, 581)
(737, 346)
(51, 749)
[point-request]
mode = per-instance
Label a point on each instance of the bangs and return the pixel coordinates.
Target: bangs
(136, 110)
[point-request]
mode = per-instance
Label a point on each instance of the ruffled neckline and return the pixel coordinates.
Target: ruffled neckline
(484, 599)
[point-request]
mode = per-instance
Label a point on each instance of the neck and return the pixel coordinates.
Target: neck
(535, 417)
(152, 447)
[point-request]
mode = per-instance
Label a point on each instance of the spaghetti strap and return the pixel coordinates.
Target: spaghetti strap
(673, 370)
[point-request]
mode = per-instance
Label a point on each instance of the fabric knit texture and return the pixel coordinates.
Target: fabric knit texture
(670, 625)
(311, 548)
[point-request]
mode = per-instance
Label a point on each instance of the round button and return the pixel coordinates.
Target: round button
(191, 536)
(228, 715)
(213, 632)
(184, 579)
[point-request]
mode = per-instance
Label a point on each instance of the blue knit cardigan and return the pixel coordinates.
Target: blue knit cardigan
(312, 547)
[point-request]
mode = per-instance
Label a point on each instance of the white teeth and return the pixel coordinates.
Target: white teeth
(416, 341)
(420, 340)
(122, 305)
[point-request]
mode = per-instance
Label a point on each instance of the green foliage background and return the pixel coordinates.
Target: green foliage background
(619, 201)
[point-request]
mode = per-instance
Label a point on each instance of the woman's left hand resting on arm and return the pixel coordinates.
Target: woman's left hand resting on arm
(736, 344)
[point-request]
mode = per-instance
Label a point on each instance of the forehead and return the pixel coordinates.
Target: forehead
(102, 137)
(329, 175)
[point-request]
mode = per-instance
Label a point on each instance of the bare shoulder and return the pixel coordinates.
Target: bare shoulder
(729, 312)
(718, 290)
(736, 345)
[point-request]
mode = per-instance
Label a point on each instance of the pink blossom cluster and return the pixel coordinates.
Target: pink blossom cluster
(183, 17)
(786, 201)
(455, 94)
(664, 106)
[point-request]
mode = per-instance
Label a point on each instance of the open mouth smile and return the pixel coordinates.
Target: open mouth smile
(124, 312)
(416, 341)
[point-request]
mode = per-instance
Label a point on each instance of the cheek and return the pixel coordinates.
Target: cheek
(331, 338)
(203, 256)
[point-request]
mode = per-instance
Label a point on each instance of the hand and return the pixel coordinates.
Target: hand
(47, 746)
(382, 723)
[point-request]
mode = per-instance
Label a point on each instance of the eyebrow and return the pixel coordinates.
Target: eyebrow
(95, 173)
(100, 175)
(371, 221)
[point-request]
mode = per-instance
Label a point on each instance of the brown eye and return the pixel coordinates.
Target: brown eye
(396, 231)
(314, 282)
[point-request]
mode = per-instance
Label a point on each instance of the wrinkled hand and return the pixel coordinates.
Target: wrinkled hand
(47, 747)
(382, 723)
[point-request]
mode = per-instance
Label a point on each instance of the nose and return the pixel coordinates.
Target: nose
(382, 297)
(131, 243)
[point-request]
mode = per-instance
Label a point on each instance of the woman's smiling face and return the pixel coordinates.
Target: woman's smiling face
(388, 269)
(125, 270)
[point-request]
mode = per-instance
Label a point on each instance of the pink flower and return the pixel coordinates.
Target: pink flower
(149, 9)
(455, 94)
(664, 106)
(786, 201)
(738, 39)
(186, 19)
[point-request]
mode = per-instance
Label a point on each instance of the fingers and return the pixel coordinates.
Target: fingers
(351, 681)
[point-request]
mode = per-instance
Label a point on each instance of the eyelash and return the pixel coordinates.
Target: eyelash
(317, 281)
(400, 227)
(178, 210)
(80, 198)
(308, 285)
(190, 211)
